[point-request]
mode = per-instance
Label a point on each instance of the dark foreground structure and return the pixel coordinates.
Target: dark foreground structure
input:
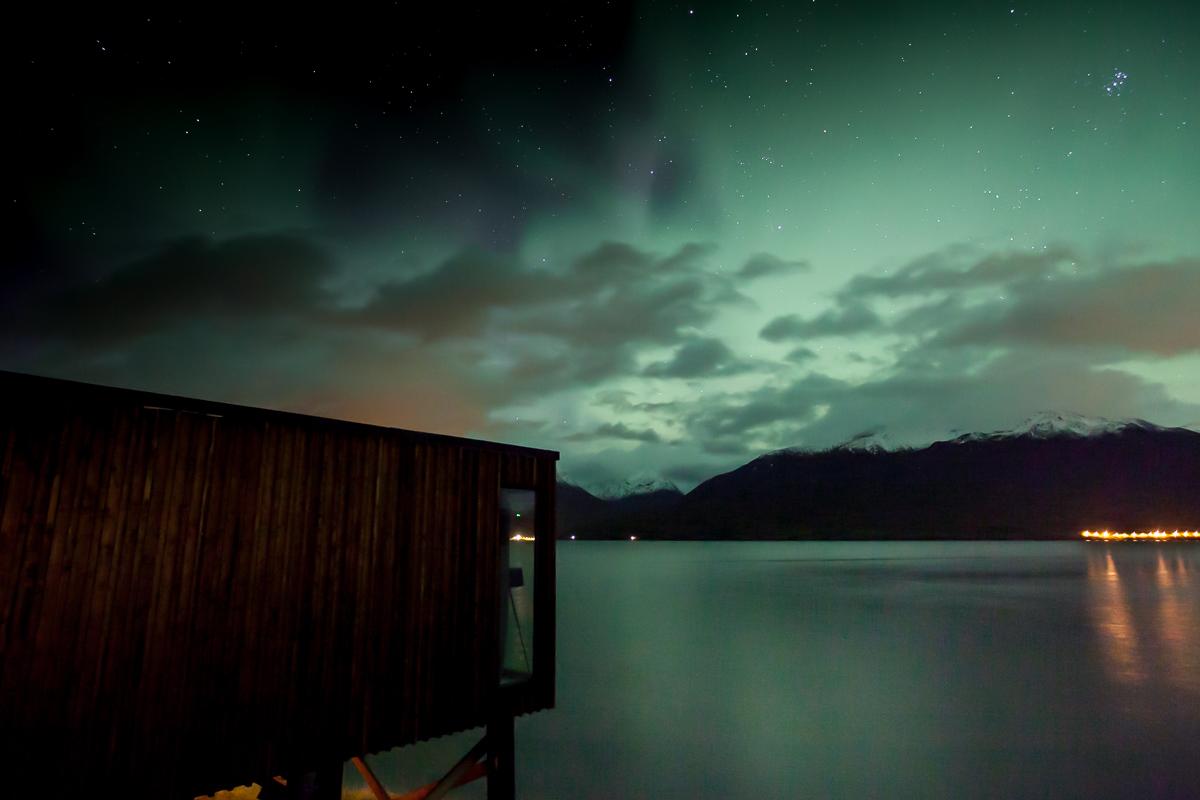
(195, 596)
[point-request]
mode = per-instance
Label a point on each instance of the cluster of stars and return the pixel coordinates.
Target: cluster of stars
(1116, 83)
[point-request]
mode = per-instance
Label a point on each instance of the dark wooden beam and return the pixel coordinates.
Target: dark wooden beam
(501, 769)
(453, 778)
(473, 773)
(368, 775)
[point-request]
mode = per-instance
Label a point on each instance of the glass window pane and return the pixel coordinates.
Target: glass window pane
(517, 514)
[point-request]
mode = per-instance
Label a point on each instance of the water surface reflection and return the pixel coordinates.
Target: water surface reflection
(866, 670)
(1143, 607)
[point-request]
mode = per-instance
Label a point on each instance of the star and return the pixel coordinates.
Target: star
(1116, 83)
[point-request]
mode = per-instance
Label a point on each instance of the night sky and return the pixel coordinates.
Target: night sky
(660, 238)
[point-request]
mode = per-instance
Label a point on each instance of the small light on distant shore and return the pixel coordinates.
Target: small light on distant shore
(572, 537)
(633, 538)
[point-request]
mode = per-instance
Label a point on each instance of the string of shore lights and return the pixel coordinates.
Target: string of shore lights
(1155, 535)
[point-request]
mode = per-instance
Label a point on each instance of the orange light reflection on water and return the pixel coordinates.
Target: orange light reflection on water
(1146, 620)
(1176, 622)
(1114, 624)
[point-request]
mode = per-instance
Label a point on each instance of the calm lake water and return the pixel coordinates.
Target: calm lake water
(861, 669)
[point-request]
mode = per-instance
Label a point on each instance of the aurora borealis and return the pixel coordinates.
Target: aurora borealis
(661, 238)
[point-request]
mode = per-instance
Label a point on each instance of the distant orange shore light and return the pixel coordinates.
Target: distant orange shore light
(1153, 536)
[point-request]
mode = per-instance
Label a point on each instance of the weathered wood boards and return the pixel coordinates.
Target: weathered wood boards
(196, 595)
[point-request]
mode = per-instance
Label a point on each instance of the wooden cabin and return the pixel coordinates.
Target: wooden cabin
(196, 595)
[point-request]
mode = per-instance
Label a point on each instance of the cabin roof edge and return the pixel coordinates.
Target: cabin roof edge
(218, 408)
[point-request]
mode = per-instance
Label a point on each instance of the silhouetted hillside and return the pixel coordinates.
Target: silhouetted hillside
(582, 513)
(1038, 482)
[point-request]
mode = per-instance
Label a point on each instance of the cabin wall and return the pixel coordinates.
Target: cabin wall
(197, 596)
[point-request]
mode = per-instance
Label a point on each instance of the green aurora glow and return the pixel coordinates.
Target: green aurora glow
(659, 238)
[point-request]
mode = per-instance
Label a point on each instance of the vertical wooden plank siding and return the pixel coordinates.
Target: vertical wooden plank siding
(196, 595)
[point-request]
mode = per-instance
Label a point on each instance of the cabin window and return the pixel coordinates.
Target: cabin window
(517, 531)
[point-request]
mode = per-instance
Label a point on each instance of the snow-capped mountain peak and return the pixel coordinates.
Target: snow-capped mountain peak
(866, 442)
(1055, 424)
(630, 487)
(617, 489)
(1066, 423)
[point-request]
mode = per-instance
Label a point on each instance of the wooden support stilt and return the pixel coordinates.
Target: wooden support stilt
(368, 775)
(469, 768)
(501, 769)
(473, 773)
(451, 778)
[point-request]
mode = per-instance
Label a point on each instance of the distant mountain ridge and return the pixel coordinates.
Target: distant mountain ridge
(1049, 477)
(867, 442)
(1048, 424)
(612, 506)
(631, 487)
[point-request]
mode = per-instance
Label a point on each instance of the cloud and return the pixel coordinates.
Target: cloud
(622, 400)
(959, 268)
(727, 423)
(189, 279)
(688, 475)
(578, 326)
(617, 430)
(847, 319)
(976, 341)
(516, 329)
(921, 403)
(800, 355)
(455, 298)
(990, 339)
(762, 265)
(1052, 298)
(1149, 309)
(615, 294)
(699, 358)
(945, 283)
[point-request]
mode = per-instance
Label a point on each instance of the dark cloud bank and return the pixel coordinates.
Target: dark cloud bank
(980, 339)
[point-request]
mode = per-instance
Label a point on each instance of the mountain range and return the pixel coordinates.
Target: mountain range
(1050, 477)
